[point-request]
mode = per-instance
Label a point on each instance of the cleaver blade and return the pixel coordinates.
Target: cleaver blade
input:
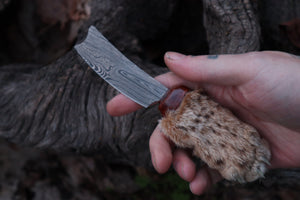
(112, 66)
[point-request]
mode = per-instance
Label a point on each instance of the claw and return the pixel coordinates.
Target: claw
(266, 161)
(261, 174)
(239, 178)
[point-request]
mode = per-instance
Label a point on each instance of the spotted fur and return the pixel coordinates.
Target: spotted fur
(217, 137)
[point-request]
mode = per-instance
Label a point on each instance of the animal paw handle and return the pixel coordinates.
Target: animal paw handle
(225, 143)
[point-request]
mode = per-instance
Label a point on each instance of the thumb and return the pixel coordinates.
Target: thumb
(215, 69)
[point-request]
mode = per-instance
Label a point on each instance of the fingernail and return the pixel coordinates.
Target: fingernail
(174, 56)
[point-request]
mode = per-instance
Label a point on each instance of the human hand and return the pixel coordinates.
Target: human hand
(261, 88)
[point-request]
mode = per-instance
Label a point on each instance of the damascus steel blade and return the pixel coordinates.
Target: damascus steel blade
(111, 65)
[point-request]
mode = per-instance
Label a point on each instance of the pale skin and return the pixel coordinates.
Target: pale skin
(261, 88)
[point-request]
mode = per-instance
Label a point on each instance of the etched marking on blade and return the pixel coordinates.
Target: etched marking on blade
(110, 64)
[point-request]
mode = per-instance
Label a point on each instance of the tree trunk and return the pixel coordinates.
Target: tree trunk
(231, 26)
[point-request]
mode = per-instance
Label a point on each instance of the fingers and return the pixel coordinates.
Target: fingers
(161, 151)
(183, 165)
(121, 105)
(225, 70)
(201, 182)
(203, 179)
(171, 80)
(220, 70)
(162, 158)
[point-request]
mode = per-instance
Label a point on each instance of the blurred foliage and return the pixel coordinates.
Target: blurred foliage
(168, 186)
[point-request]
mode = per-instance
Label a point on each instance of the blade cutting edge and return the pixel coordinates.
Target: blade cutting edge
(111, 65)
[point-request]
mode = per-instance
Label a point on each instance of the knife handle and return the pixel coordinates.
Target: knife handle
(172, 99)
(216, 136)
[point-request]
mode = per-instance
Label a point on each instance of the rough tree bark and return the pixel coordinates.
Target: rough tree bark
(61, 104)
(48, 97)
(231, 26)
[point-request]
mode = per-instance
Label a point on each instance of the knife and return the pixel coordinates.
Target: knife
(191, 119)
(111, 65)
